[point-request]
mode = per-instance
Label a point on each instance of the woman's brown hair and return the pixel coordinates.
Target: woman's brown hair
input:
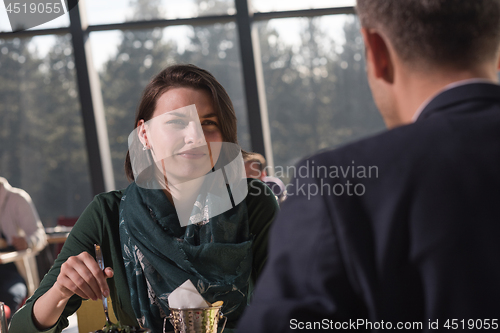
(186, 76)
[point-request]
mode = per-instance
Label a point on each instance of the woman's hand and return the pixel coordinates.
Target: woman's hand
(81, 275)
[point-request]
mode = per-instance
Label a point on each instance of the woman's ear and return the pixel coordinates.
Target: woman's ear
(142, 133)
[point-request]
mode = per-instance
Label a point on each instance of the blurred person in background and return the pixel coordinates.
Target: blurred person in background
(20, 229)
(255, 167)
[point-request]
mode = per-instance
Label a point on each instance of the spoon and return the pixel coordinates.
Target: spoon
(100, 261)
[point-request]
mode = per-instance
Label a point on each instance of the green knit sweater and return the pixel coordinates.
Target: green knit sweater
(98, 224)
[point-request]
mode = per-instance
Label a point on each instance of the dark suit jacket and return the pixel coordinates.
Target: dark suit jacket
(415, 241)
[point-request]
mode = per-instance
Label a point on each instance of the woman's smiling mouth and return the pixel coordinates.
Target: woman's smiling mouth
(192, 153)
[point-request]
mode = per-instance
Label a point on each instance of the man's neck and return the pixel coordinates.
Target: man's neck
(415, 90)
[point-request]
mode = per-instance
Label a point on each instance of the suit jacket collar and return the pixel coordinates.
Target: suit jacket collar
(461, 94)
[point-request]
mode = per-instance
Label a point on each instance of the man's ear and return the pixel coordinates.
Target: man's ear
(378, 55)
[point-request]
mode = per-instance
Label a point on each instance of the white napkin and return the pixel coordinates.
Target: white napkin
(186, 297)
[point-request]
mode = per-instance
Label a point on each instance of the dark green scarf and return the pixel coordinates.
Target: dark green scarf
(160, 255)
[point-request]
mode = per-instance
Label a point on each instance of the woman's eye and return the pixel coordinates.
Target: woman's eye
(209, 123)
(177, 122)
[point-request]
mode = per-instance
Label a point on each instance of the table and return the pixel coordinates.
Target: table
(56, 237)
(26, 265)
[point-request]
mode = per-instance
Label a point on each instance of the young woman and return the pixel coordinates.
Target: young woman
(172, 223)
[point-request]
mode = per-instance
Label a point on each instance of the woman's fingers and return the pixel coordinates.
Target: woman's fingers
(82, 275)
(86, 275)
(108, 272)
(77, 277)
(68, 288)
(98, 278)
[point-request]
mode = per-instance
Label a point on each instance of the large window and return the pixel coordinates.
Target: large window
(42, 142)
(310, 62)
(316, 87)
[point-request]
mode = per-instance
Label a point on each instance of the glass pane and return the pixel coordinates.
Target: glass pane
(60, 22)
(280, 5)
(127, 60)
(41, 132)
(118, 11)
(316, 88)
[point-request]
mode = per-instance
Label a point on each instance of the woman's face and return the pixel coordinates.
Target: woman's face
(184, 134)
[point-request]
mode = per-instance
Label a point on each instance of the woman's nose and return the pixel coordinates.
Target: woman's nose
(194, 134)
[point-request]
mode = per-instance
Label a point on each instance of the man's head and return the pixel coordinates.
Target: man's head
(425, 38)
(255, 166)
(436, 32)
